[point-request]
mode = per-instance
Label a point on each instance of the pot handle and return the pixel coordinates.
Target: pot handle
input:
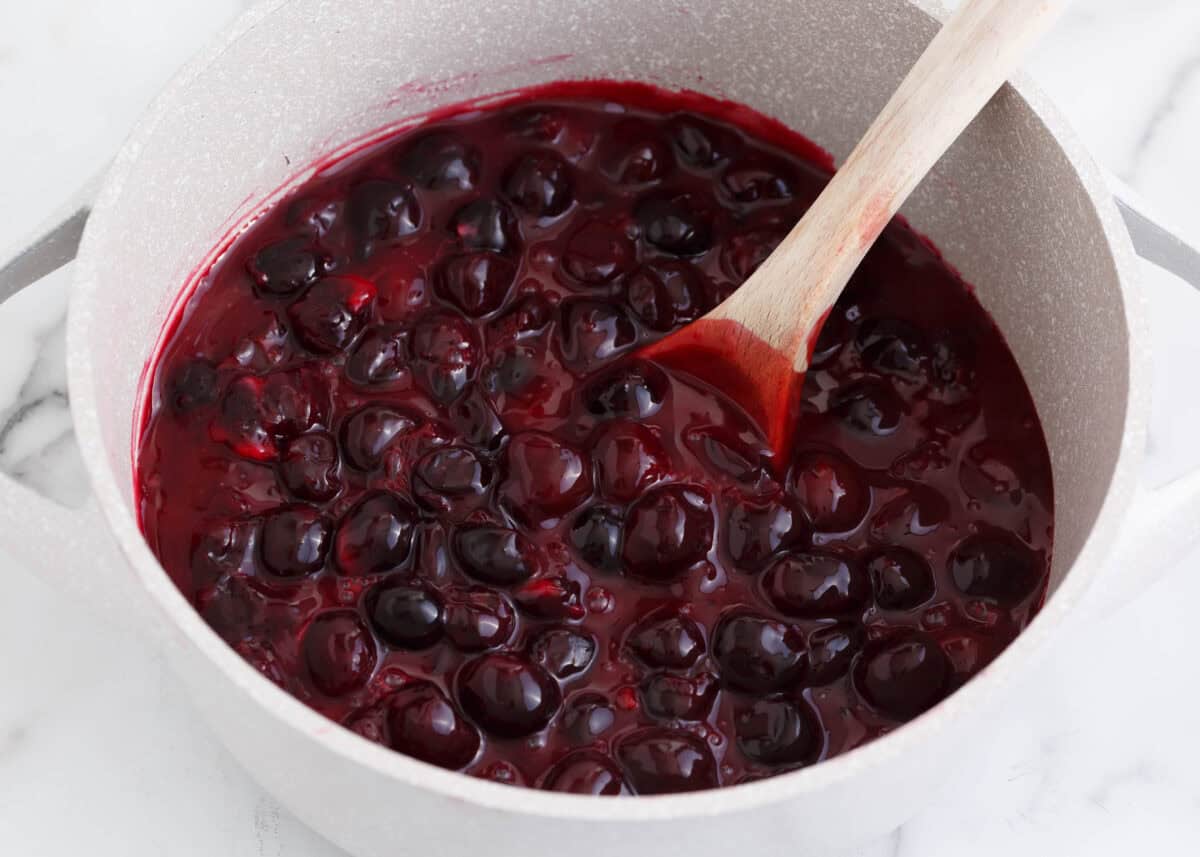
(68, 548)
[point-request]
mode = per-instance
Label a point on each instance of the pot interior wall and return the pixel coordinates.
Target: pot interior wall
(309, 76)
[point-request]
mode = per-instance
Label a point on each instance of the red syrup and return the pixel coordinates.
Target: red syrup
(406, 455)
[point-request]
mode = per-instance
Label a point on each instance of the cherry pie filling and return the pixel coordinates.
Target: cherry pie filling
(404, 457)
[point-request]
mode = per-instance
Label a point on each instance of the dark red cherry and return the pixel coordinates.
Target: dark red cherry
(776, 732)
(332, 313)
(903, 580)
(486, 224)
(286, 266)
(676, 223)
(757, 654)
(554, 598)
(543, 477)
(441, 162)
(258, 409)
(310, 467)
(756, 529)
(724, 450)
(871, 406)
(629, 459)
(598, 253)
(477, 283)
(815, 584)
(451, 480)
(666, 294)
(367, 433)
(997, 566)
(497, 555)
(220, 549)
(635, 152)
(594, 332)
(338, 652)
(380, 358)
(539, 183)
(668, 530)
(424, 724)
(562, 652)
(666, 639)
(476, 618)
(662, 761)
(758, 178)
(191, 386)
(893, 347)
(507, 695)
(475, 419)
(917, 512)
(375, 536)
(445, 354)
(635, 389)
(316, 215)
(596, 535)
(675, 697)
(562, 128)
(904, 675)
(587, 717)
(405, 616)
(379, 211)
(830, 491)
(294, 541)
(585, 772)
(702, 144)
(831, 650)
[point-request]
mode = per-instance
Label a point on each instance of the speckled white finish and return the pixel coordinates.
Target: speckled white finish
(1027, 216)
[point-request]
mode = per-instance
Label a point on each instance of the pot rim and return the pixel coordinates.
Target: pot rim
(292, 714)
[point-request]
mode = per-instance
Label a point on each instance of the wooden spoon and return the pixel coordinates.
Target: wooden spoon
(756, 345)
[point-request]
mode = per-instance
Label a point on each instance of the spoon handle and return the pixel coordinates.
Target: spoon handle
(964, 65)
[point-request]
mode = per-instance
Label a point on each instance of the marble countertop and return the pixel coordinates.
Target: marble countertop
(101, 753)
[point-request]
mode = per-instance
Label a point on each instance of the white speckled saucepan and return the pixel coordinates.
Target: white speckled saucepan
(1017, 205)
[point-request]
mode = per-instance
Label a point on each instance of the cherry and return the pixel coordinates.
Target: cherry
(266, 343)
(996, 566)
(562, 652)
(917, 512)
(230, 608)
(635, 153)
(445, 355)
(476, 283)
(757, 654)
(744, 253)
(870, 406)
(902, 579)
(669, 529)
(379, 211)
(441, 162)
(830, 491)
(830, 652)
(220, 549)
(724, 450)
(486, 224)
(257, 409)
(405, 617)
(702, 144)
(903, 676)
(676, 223)
(476, 619)
(316, 215)
(562, 128)
(758, 178)
(776, 732)
(338, 652)
(659, 760)
(380, 358)
(674, 697)
(593, 332)
(666, 294)
(539, 183)
(893, 347)
(475, 419)
(596, 535)
(814, 584)
(834, 335)
(452, 480)
(598, 253)
(497, 555)
(424, 724)
(507, 695)
(543, 477)
(550, 598)
(585, 772)
(375, 535)
(295, 540)
(667, 639)
(310, 468)
(629, 459)
(367, 433)
(756, 529)
(586, 718)
(528, 317)
(332, 313)
(635, 389)
(192, 386)
(286, 266)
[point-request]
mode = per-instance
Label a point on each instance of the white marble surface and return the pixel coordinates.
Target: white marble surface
(101, 754)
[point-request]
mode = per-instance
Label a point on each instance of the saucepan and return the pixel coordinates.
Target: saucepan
(1017, 205)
